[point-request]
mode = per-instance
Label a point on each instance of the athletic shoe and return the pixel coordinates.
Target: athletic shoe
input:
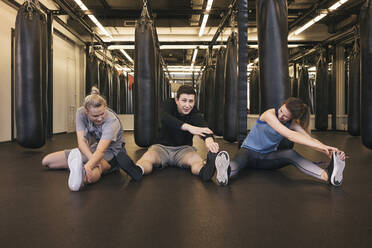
(77, 171)
(128, 166)
(335, 170)
(222, 167)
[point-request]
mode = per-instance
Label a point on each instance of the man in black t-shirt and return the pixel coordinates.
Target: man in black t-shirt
(180, 121)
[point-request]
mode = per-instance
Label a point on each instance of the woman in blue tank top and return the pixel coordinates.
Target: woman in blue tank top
(260, 147)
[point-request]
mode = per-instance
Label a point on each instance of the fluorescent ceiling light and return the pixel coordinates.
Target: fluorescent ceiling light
(194, 56)
(131, 47)
(337, 5)
(256, 46)
(320, 16)
(181, 73)
(126, 55)
(209, 5)
(81, 5)
(205, 19)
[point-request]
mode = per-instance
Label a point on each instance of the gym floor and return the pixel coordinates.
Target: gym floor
(173, 208)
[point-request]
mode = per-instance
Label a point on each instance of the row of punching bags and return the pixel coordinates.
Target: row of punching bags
(218, 97)
(113, 87)
(151, 87)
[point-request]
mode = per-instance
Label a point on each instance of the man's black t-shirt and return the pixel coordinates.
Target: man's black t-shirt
(170, 133)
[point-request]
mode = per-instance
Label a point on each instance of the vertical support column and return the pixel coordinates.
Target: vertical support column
(49, 129)
(242, 69)
(340, 86)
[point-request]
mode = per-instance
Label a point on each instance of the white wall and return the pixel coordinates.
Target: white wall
(68, 61)
(7, 21)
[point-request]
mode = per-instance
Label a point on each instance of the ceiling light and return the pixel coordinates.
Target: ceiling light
(205, 19)
(209, 5)
(126, 55)
(337, 5)
(194, 56)
(81, 5)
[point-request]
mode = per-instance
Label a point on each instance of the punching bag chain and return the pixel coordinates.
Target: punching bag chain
(145, 11)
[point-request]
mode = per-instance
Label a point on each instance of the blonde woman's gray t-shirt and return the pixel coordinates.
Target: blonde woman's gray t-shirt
(109, 129)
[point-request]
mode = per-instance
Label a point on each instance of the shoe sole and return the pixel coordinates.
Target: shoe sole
(338, 169)
(75, 163)
(222, 165)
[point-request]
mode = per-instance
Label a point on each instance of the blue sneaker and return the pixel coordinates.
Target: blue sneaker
(77, 171)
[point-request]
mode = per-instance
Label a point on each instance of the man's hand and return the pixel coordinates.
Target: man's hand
(201, 131)
(211, 145)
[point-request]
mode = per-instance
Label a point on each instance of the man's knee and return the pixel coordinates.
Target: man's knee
(193, 160)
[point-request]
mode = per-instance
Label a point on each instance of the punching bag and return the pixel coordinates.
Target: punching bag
(202, 92)
(321, 94)
(123, 97)
(103, 81)
(272, 29)
(219, 77)
(230, 129)
(92, 73)
(115, 88)
(211, 98)
(254, 92)
(366, 76)
(304, 86)
(294, 87)
(109, 92)
(353, 120)
(144, 83)
(30, 125)
(44, 71)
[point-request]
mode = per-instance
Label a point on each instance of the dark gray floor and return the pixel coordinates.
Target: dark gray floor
(172, 208)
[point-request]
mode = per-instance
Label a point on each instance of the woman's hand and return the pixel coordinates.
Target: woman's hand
(327, 150)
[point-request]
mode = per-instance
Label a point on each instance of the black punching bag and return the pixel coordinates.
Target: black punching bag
(115, 80)
(30, 124)
(103, 81)
(123, 97)
(304, 86)
(321, 94)
(144, 83)
(254, 92)
(272, 29)
(353, 123)
(92, 73)
(366, 75)
(211, 98)
(219, 78)
(230, 129)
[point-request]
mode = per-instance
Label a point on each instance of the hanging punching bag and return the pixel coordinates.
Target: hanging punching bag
(122, 103)
(366, 76)
(272, 29)
(103, 81)
(219, 77)
(30, 124)
(294, 87)
(115, 88)
(254, 92)
(230, 129)
(44, 71)
(92, 73)
(211, 98)
(202, 92)
(144, 83)
(303, 86)
(321, 94)
(353, 120)
(109, 91)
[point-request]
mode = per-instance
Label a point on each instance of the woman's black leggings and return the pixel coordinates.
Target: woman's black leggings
(274, 160)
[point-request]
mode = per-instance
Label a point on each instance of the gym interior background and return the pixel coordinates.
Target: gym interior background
(324, 41)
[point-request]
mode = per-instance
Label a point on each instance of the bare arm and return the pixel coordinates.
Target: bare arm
(295, 136)
(83, 144)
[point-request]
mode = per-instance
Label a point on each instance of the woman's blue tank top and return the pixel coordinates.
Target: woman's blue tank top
(263, 138)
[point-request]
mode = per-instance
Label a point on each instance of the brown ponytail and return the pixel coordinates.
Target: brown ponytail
(300, 112)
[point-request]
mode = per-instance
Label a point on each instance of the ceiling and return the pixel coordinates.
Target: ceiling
(178, 23)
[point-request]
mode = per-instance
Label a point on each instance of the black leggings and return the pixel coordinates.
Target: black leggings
(274, 160)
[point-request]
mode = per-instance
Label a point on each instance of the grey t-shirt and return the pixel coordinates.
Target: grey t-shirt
(110, 129)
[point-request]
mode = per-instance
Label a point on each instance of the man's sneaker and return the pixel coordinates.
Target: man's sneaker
(126, 164)
(77, 171)
(335, 170)
(222, 167)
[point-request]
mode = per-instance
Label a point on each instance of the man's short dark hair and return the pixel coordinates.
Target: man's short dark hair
(185, 89)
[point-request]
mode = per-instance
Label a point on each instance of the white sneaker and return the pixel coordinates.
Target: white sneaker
(338, 169)
(222, 166)
(75, 164)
